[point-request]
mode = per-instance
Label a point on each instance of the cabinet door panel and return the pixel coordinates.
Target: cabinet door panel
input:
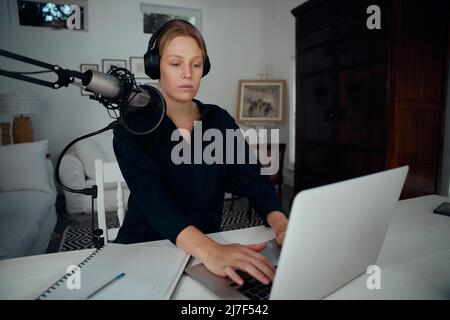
(341, 96)
(419, 140)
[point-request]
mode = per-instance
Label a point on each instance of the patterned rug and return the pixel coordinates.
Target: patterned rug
(79, 236)
(239, 219)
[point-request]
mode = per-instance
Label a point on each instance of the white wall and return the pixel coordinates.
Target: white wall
(281, 56)
(280, 41)
(239, 35)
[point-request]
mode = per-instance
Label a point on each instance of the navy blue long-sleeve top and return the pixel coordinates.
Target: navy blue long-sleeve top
(166, 197)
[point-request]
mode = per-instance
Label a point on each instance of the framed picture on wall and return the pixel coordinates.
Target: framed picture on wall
(83, 68)
(261, 101)
(137, 68)
(155, 16)
(53, 15)
(107, 63)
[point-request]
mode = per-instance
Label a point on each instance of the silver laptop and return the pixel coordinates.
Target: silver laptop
(334, 233)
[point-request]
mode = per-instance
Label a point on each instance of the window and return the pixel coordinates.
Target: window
(49, 14)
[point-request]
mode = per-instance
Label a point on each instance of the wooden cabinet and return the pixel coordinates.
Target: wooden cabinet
(369, 100)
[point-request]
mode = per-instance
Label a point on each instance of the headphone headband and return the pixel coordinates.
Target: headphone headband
(152, 59)
(155, 35)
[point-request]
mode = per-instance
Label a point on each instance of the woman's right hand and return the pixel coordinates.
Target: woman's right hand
(224, 260)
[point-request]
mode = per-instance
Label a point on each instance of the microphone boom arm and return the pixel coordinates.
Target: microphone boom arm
(65, 76)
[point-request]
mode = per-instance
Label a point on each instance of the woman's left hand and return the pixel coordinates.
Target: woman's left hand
(278, 221)
(279, 236)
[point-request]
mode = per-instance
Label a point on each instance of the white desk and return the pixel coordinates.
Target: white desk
(414, 261)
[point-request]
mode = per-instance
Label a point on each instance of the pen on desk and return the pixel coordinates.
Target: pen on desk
(118, 277)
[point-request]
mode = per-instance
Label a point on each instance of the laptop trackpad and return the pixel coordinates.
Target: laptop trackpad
(272, 252)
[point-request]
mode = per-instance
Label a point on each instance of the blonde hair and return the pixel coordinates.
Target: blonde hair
(177, 28)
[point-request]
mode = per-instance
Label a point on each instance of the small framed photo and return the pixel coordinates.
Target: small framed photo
(83, 68)
(107, 63)
(138, 69)
(261, 101)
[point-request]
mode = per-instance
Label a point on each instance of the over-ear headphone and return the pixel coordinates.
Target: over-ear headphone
(151, 57)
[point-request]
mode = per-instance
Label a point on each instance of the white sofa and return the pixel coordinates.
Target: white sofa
(77, 171)
(27, 202)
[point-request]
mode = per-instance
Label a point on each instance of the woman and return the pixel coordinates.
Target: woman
(182, 202)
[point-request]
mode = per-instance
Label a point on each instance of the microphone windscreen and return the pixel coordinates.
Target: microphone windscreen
(145, 119)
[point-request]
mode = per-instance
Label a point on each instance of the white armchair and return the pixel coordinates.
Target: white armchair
(77, 171)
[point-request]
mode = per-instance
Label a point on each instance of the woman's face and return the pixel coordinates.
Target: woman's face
(181, 68)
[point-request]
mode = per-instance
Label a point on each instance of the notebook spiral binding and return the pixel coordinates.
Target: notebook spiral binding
(67, 275)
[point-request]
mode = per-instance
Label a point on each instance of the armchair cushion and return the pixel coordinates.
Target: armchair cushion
(3, 253)
(28, 205)
(88, 150)
(23, 167)
(71, 171)
(27, 216)
(17, 236)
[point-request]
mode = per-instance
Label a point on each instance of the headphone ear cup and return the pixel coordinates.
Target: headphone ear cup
(151, 64)
(206, 66)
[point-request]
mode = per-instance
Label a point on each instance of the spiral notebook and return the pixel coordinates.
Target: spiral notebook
(150, 272)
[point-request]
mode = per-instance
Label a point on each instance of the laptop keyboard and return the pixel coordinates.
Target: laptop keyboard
(252, 288)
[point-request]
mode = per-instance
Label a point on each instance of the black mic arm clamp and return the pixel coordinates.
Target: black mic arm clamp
(97, 238)
(99, 241)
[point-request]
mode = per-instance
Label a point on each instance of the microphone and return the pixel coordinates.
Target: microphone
(142, 108)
